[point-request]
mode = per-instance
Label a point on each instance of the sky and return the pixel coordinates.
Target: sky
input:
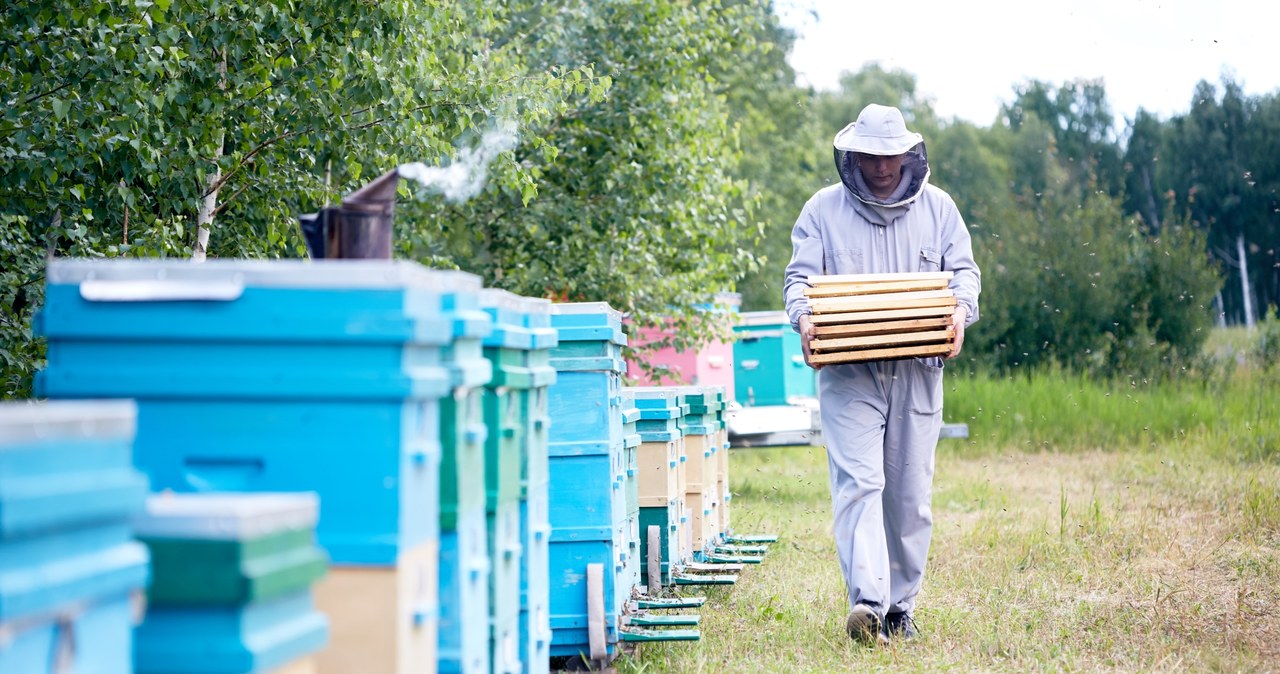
(967, 56)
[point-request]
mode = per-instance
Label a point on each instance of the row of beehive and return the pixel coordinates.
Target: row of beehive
(71, 575)
(370, 384)
(601, 433)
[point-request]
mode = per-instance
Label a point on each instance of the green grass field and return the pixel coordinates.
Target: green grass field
(1082, 527)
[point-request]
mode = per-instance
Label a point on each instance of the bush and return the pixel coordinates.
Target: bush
(1266, 347)
(21, 291)
(1074, 283)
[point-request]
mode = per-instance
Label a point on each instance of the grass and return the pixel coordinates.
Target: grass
(1233, 417)
(1094, 533)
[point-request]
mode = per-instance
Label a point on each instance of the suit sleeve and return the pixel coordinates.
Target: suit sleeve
(957, 256)
(806, 261)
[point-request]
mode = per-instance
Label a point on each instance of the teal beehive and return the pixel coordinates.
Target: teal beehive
(211, 549)
(769, 367)
(232, 586)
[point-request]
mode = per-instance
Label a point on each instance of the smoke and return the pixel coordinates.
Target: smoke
(464, 177)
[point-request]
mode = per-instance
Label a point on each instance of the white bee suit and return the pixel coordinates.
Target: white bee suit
(881, 420)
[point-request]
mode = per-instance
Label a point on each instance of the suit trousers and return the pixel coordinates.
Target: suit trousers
(880, 421)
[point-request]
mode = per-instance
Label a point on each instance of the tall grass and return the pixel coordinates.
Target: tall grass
(1235, 416)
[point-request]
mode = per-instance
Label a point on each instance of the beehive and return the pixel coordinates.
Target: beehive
(535, 526)
(587, 506)
(69, 570)
(768, 361)
(231, 591)
(271, 376)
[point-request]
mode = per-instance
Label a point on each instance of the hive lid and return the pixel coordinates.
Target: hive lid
(763, 318)
(160, 280)
(225, 516)
(569, 308)
(642, 393)
(535, 306)
(497, 298)
(23, 423)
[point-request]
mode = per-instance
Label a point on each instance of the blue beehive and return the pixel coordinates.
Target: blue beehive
(535, 526)
(68, 566)
(300, 376)
(506, 563)
(715, 406)
(769, 365)
(701, 437)
(465, 574)
(568, 585)
(588, 467)
(630, 443)
(537, 314)
(586, 440)
(535, 599)
(465, 546)
(630, 490)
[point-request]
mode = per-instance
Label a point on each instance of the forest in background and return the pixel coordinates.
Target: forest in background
(645, 153)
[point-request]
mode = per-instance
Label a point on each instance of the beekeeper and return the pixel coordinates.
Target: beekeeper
(881, 419)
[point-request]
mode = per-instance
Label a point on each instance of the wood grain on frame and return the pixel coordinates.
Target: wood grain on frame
(851, 289)
(836, 357)
(883, 315)
(928, 298)
(828, 279)
(881, 327)
(867, 341)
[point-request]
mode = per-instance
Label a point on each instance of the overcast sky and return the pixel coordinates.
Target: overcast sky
(967, 56)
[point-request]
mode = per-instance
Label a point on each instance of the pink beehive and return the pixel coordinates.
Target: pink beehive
(710, 365)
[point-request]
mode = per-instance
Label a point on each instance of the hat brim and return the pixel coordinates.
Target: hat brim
(849, 141)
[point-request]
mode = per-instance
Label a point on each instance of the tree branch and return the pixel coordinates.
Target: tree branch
(226, 202)
(10, 321)
(48, 93)
(288, 134)
(246, 159)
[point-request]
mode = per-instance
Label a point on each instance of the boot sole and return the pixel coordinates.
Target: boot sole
(866, 627)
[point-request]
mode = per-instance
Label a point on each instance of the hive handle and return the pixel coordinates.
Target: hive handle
(99, 290)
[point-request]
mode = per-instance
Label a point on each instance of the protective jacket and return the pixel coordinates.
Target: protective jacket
(844, 229)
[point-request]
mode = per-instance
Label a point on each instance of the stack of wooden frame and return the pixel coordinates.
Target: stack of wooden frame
(865, 317)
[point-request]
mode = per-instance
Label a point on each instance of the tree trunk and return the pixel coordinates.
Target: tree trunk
(1245, 293)
(209, 205)
(1151, 200)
